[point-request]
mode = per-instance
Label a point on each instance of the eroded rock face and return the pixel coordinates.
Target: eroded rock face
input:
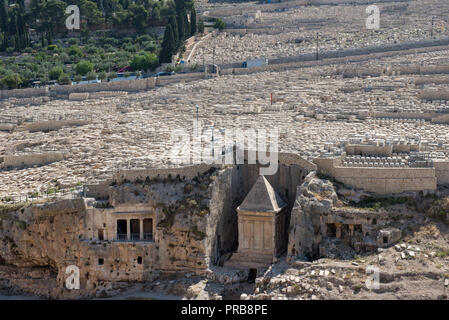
(314, 198)
(193, 225)
(322, 225)
(42, 240)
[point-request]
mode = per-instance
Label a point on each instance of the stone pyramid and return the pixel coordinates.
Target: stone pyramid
(262, 197)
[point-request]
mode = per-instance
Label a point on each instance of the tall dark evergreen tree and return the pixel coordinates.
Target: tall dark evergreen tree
(193, 21)
(181, 5)
(12, 30)
(181, 28)
(201, 26)
(168, 45)
(174, 24)
(3, 16)
(3, 24)
(186, 25)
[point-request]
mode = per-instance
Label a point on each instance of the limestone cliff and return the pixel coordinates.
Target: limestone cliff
(193, 221)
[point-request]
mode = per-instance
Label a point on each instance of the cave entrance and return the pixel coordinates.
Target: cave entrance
(134, 229)
(252, 275)
(122, 229)
(331, 230)
(100, 234)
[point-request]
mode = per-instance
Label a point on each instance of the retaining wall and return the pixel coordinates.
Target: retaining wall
(382, 180)
(30, 159)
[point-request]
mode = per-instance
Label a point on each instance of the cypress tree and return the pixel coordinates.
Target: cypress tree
(186, 26)
(168, 45)
(4, 24)
(174, 24)
(3, 16)
(179, 6)
(193, 21)
(181, 28)
(201, 27)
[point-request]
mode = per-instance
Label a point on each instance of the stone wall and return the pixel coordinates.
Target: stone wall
(380, 180)
(187, 172)
(434, 94)
(369, 150)
(98, 90)
(51, 125)
(16, 161)
(124, 85)
(442, 172)
(23, 93)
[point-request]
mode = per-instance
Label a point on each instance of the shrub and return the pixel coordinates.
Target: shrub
(194, 67)
(145, 62)
(83, 67)
(91, 75)
(12, 81)
(169, 68)
(112, 75)
(52, 47)
(201, 26)
(219, 24)
(73, 41)
(91, 49)
(55, 73)
(64, 79)
(144, 38)
(102, 75)
(75, 51)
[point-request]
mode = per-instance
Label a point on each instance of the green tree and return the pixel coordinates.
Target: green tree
(75, 51)
(155, 14)
(201, 27)
(186, 24)
(139, 17)
(219, 24)
(109, 8)
(90, 12)
(64, 79)
(192, 22)
(55, 73)
(12, 81)
(181, 28)
(145, 62)
(51, 13)
(168, 45)
(3, 16)
(3, 24)
(181, 5)
(102, 75)
(112, 75)
(91, 75)
(83, 67)
(172, 21)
